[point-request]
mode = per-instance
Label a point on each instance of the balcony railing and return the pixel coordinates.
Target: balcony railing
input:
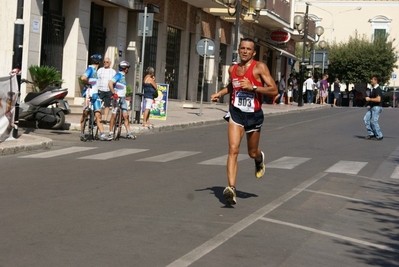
(280, 7)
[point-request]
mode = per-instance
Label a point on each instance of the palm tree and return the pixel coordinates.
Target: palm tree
(44, 76)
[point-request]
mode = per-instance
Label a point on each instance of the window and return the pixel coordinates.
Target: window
(379, 33)
(380, 26)
(173, 61)
(150, 55)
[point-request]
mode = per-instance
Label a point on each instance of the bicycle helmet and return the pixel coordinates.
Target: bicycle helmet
(96, 59)
(123, 65)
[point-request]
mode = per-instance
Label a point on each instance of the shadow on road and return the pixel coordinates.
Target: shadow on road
(218, 192)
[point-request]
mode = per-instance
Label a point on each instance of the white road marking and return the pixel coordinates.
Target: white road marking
(349, 167)
(349, 198)
(58, 152)
(222, 161)
(114, 154)
(389, 167)
(287, 163)
(230, 232)
(170, 156)
(395, 174)
(349, 239)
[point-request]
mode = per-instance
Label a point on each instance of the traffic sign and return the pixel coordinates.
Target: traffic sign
(394, 76)
(205, 47)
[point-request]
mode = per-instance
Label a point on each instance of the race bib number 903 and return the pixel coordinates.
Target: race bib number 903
(245, 101)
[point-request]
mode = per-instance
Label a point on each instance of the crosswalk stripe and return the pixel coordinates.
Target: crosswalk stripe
(287, 163)
(58, 152)
(395, 174)
(114, 154)
(170, 156)
(223, 160)
(348, 167)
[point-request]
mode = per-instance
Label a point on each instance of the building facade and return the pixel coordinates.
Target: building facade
(342, 19)
(64, 33)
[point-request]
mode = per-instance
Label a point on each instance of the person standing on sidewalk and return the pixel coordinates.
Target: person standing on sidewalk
(117, 85)
(149, 89)
(337, 92)
(250, 80)
(90, 78)
(309, 89)
(323, 90)
(373, 113)
(294, 89)
(105, 74)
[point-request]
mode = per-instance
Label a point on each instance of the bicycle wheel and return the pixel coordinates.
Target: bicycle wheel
(91, 125)
(118, 125)
(86, 127)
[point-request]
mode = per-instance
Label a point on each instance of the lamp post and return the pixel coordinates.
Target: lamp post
(323, 45)
(255, 6)
(302, 22)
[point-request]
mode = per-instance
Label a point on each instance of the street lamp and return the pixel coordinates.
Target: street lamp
(251, 13)
(323, 45)
(301, 24)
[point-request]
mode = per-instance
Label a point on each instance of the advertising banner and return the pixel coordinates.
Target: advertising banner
(159, 106)
(8, 98)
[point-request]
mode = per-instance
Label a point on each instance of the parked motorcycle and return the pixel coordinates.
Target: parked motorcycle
(47, 107)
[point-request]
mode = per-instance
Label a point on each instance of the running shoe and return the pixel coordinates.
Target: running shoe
(104, 137)
(260, 167)
(130, 136)
(230, 194)
(111, 134)
(82, 137)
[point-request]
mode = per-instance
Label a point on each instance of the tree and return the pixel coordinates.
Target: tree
(44, 76)
(359, 59)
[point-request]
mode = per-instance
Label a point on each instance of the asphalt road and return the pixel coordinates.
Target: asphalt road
(328, 198)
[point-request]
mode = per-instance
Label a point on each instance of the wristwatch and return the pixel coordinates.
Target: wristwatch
(254, 88)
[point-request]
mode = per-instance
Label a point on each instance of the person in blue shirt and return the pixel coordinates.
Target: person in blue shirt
(91, 93)
(117, 86)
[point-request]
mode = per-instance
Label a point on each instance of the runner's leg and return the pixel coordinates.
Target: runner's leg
(235, 134)
(253, 145)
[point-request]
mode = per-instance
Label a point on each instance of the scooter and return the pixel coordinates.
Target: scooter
(47, 107)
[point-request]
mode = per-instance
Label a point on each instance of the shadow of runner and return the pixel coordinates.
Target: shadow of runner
(218, 192)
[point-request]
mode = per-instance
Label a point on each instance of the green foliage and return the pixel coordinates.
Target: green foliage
(129, 90)
(43, 76)
(359, 59)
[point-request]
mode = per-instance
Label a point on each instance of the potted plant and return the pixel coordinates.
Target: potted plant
(44, 76)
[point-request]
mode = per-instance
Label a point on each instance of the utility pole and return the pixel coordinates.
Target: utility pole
(302, 72)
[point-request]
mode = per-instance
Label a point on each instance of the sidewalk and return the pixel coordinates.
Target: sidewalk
(178, 118)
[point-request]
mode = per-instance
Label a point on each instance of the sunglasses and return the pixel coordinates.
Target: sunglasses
(106, 61)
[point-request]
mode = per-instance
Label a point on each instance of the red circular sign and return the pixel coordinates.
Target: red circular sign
(280, 36)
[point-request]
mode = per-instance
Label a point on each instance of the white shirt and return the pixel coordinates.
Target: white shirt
(104, 75)
(309, 84)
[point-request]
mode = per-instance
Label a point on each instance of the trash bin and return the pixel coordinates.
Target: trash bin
(345, 99)
(137, 101)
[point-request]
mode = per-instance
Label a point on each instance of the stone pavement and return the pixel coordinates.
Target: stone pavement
(177, 118)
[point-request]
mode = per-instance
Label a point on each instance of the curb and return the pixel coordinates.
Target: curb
(25, 142)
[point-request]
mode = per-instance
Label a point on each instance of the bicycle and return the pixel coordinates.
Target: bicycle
(119, 120)
(89, 122)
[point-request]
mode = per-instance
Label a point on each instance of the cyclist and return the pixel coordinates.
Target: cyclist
(117, 85)
(90, 78)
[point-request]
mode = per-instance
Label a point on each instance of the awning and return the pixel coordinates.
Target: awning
(281, 51)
